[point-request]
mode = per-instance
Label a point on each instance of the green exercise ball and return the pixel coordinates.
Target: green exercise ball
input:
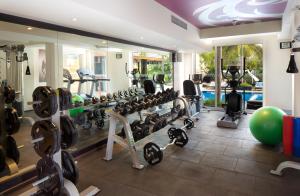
(266, 125)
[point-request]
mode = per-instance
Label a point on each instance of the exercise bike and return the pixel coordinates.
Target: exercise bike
(233, 101)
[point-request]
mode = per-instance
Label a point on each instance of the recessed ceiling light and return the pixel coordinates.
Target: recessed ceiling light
(103, 42)
(74, 19)
(141, 37)
(29, 28)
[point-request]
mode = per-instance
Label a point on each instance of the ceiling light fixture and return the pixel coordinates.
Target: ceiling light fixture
(29, 28)
(141, 37)
(74, 19)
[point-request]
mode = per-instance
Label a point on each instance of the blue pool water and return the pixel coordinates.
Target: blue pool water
(207, 95)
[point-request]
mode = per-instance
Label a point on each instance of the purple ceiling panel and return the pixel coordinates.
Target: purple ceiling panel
(210, 13)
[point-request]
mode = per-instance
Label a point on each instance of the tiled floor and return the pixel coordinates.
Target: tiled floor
(215, 162)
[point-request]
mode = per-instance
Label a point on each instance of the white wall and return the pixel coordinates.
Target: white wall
(277, 84)
(183, 69)
(116, 71)
(31, 81)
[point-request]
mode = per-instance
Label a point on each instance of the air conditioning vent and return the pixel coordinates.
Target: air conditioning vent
(179, 22)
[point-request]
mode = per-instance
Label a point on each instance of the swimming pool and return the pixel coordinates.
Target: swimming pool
(210, 95)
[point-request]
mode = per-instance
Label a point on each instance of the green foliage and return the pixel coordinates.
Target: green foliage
(207, 62)
(211, 103)
(245, 84)
(162, 67)
(232, 56)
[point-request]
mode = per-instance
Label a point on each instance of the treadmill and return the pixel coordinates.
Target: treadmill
(86, 75)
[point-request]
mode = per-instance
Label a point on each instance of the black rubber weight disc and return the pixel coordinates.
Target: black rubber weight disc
(2, 159)
(51, 143)
(70, 170)
(12, 150)
(152, 153)
(45, 101)
(46, 167)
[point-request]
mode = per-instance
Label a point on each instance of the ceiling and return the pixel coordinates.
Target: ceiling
(214, 13)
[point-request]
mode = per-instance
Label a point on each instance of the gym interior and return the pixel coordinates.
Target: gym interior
(156, 97)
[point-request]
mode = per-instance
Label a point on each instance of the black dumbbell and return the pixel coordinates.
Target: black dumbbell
(153, 154)
(120, 95)
(121, 109)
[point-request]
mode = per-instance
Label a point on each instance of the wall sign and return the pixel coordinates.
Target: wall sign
(285, 45)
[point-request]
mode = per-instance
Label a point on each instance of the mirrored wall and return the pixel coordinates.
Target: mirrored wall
(88, 67)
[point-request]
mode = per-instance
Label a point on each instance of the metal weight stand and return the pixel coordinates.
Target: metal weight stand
(284, 165)
(129, 142)
(70, 188)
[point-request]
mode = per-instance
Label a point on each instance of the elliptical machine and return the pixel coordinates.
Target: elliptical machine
(233, 101)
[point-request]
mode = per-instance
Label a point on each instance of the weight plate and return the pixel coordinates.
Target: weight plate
(99, 123)
(69, 134)
(171, 133)
(9, 94)
(189, 123)
(2, 159)
(46, 167)
(12, 121)
(97, 113)
(44, 101)
(12, 150)
(70, 170)
(152, 153)
(50, 143)
(65, 99)
(181, 137)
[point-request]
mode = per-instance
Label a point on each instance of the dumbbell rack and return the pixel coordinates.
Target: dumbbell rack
(70, 188)
(11, 165)
(129, 142)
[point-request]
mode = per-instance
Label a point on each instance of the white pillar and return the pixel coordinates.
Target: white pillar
(296, 77)
(54, 65)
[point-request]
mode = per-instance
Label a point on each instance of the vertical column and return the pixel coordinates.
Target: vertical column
(54, 65)
(218, 75)
(178, 71)
(296, 77)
